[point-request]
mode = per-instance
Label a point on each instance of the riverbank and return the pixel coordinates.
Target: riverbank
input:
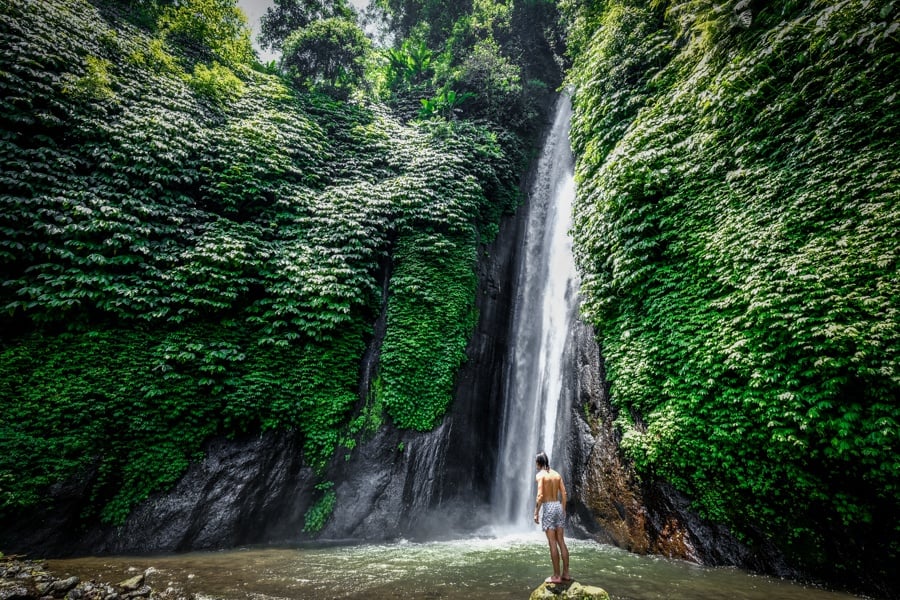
(23, 579)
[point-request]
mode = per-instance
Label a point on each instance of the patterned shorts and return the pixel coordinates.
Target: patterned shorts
(552, 515)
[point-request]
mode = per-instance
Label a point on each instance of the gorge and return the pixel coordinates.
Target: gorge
(252, 305)
(255, 491)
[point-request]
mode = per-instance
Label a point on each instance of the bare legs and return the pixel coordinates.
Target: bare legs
(558, 549)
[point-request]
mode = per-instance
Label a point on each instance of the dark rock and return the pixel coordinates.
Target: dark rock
(16, 591)
(61, 587)
(241, 492)
(427, 489)
(244, 491)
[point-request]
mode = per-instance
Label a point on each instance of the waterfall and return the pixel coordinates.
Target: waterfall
(535, 413)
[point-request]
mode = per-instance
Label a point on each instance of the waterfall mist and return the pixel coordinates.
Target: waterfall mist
(535, 413)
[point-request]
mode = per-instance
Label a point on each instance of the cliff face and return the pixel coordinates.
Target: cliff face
(614, 506)
(182, 265)
(426, 484)
(735, 229)
(395, 483)
(242, 491)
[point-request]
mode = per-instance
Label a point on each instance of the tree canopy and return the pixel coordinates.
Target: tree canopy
(327, 53)
(289, 16)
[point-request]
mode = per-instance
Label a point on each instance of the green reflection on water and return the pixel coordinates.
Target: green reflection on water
(499, 568)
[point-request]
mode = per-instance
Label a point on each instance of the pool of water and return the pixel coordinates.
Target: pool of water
(497, 567)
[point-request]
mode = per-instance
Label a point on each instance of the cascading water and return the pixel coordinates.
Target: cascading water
(537, 405)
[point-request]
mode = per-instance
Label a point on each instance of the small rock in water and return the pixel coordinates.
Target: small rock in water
(568, 591)
(132, 583)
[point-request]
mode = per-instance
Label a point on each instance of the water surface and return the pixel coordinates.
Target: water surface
(500, 568)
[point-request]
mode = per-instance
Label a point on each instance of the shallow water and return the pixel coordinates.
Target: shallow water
(499, 568)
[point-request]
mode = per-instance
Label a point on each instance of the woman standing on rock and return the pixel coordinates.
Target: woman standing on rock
(551, 506)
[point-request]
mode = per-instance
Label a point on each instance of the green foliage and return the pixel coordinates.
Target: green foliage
(177, 269)
(475, 63)
(488, 53)
(327, 54)
(155, 57)
(95, 84)
(409, 65)
(489, 77)
(429, 327)
(446, 104)
(211, 30)
(435, 18)
(218, 82)
(430, 312)
(139, 424)
(370, 418)
(285, 17)
(736, 229)
(318, 513)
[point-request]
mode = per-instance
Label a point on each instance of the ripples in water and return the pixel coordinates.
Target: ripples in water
(501, 568)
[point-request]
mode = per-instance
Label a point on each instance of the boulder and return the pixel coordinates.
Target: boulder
(58, 587)
(132, 584)
(568, 591)
(15, 591)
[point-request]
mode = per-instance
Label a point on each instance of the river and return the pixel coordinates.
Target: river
(498, 567)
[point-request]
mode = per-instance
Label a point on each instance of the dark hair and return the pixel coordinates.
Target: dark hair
(542, 460)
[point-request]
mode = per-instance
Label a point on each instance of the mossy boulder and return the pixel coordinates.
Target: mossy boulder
(568, 591)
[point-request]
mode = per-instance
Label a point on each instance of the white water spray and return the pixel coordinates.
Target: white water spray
(537, 405)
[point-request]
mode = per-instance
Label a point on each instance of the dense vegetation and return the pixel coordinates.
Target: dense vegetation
(192, 247)
(195, 245)
(737, 226)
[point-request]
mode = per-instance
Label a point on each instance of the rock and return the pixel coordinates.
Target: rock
(15, 591)
(132, 583)
(60, 587)
(29, 580)
(568, 591)
(743, 13)
(141, 592)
